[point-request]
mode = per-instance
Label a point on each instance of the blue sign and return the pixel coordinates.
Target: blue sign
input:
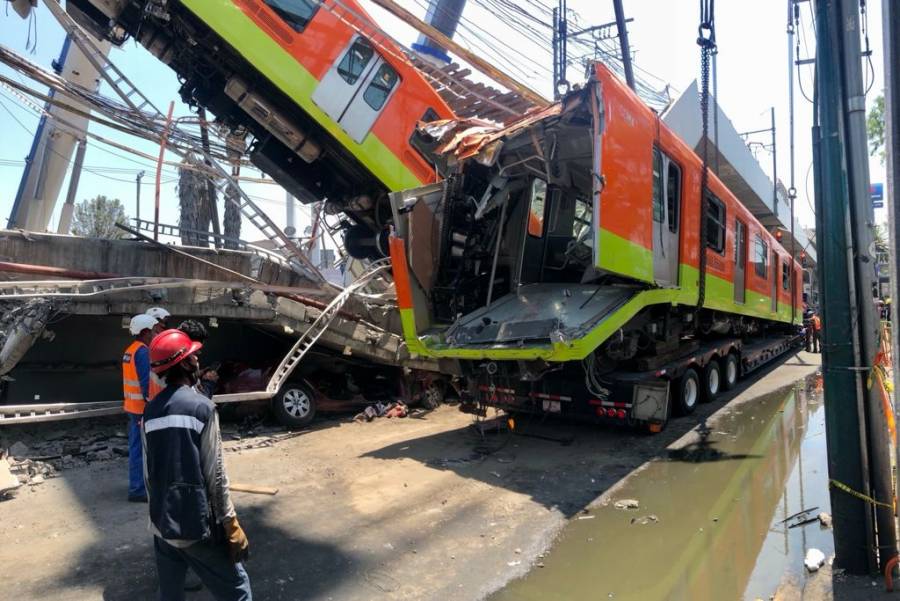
(876, 191)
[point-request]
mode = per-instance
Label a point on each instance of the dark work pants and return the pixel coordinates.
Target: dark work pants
(226, 580)
(817, 337)
(135, 457)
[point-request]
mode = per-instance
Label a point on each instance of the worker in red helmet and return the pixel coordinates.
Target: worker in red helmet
(191, 515)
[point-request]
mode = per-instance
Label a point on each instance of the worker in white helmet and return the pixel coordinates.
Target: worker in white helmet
(137, 390)
(161, 316)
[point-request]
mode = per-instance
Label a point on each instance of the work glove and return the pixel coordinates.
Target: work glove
(238, 545)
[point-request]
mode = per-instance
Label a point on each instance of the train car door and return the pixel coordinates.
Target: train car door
(666, 214)
(740, 261)
(356, 88)
(775, 264)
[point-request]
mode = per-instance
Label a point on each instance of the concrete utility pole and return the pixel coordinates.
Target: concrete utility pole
(858, 455)
(891, 27)
(65, 217)
(137, 197)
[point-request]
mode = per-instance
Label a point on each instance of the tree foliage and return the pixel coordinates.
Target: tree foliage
(97, 218)
(875, 128)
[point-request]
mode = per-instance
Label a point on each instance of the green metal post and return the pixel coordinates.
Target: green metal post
(844, 412)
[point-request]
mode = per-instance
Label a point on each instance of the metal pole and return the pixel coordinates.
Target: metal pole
(65, 217)
(845, 432)
(862, 221)
(162, 152)
(792, 191)
(891, 28)
(137, 195)
(774, 166)
(623, 43)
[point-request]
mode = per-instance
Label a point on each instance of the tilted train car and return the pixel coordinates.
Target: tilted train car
(563, 252)
(331, 102)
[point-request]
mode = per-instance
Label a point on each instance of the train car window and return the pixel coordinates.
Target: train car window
(760, 257)
(785, 276)
(296, 13)
(422, 143)
(355, 61)
(658, 214)
(380, 87)
(673, 196)
(715, 224)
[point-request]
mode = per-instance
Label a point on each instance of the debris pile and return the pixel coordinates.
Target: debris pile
(42, 451)
(395, 409)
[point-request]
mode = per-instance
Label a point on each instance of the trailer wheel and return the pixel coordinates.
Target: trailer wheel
(688, 392)
(712, 381)
(295, 405)
(731, 371)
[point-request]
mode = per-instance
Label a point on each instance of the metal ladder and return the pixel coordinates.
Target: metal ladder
(130, 94)
(320, 325)
(27, 414)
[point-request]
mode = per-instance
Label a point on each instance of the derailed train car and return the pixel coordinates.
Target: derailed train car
(330, 103)
(560, 259)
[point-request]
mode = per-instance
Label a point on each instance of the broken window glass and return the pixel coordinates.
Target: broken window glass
(536, 208)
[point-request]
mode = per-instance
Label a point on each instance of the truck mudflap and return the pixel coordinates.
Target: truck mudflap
(636, 400)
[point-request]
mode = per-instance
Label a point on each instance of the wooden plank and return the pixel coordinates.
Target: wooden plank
(257, 490)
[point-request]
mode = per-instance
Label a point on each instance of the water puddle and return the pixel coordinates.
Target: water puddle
(715, 520)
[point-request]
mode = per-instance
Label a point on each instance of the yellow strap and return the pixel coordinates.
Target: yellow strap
(858, 495)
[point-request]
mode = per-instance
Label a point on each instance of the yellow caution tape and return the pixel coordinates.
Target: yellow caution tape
(857, 494)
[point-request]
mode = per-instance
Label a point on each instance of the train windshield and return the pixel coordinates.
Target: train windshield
(296, 13)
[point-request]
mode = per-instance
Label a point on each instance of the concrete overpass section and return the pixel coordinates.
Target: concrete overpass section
(94, 286)
(738, 169)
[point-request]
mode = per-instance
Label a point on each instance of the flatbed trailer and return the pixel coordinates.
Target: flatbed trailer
(699, 371)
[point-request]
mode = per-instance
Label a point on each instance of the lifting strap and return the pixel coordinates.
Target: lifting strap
(706, 39)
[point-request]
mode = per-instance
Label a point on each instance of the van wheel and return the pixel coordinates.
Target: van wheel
(730, 372)
(688, 392)
(295, 405)
(712, 381)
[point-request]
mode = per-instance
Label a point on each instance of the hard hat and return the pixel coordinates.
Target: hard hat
(170, 348)
(158, 313)
(141, 322)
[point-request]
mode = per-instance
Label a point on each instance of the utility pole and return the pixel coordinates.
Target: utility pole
(623, 43)
(891, 32)
(862, 221)
(774, 166)
(792, 190)
(137, 198)
(858, 456)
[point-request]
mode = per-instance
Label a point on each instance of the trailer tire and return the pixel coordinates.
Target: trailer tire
(295, 405)
(688, 392)
(730, 371)
(712, 381)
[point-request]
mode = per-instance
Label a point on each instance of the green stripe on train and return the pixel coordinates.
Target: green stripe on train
(719, 295)
(291, 77)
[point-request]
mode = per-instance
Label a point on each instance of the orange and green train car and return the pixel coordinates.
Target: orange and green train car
(330, 103)
(569, 244)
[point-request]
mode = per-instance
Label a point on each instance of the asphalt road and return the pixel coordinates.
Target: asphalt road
(418, 508)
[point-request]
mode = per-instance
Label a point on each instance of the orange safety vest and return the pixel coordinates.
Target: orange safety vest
(156, 385)
(816, 322)
(131, 383)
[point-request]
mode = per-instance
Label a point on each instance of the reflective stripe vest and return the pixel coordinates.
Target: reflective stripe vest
(131, 382)
(816, 322)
